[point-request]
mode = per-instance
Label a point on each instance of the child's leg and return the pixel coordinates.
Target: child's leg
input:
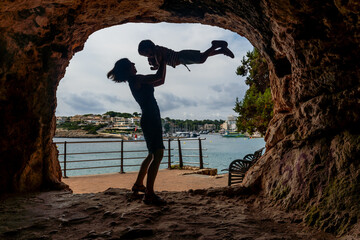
(213, 50)
(225, 51)
(204, 56)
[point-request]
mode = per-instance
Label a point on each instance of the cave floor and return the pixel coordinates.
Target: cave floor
(117, 214)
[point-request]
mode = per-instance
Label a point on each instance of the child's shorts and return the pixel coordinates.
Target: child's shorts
(189, 56)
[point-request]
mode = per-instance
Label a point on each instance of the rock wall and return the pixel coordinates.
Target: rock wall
(312, 47)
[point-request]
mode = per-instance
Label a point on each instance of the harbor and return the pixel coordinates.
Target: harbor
(217, 152)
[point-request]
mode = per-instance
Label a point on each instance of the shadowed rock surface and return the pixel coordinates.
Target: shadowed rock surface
(116, 214)
(312, 158)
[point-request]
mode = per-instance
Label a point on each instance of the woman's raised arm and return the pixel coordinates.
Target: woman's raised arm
(156, 79)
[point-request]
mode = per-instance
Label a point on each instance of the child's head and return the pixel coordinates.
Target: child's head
(146, 48)
(122, 70)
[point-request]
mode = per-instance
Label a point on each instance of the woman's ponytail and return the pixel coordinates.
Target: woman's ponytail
(110, 74)
(121, 71)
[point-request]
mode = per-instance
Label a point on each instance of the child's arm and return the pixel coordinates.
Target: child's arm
(153, 63)
(159, 55)
(157, 58)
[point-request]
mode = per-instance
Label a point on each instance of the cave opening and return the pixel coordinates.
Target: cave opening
(85, 89)
(207, 91)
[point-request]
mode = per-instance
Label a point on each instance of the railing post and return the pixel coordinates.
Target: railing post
(65, 160)
(201, 155)
(169, 154)
(180, 154)
(122, 157)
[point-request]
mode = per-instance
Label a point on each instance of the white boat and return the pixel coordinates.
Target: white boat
(182, 134)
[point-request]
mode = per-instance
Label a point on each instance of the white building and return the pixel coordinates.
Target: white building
(134, 120)
(60, 120)
(209, 127)
(124, 123)
(232, 123)
(76, 118)
(229, 124)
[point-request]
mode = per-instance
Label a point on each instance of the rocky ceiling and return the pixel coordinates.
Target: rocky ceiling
(312, 47)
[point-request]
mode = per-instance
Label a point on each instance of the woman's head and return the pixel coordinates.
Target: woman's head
(146, 48)
(122, 70)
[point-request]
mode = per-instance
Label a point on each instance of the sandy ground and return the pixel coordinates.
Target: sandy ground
(200, 213)
(166, 180)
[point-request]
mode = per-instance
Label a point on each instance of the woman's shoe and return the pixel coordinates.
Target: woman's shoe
(138, 188)
(154, 199)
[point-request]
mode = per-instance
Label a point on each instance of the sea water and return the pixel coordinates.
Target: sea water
(218, 153)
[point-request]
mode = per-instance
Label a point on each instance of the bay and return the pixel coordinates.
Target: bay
(218, 153)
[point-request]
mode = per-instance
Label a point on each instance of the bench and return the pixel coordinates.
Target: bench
(239, 167)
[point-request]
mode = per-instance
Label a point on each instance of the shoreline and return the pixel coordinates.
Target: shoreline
(62, 133)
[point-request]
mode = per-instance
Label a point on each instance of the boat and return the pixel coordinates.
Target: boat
(233, 134)
(182, 134)
(194, 134)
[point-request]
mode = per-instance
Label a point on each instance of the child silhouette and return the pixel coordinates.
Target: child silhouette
(157, 54)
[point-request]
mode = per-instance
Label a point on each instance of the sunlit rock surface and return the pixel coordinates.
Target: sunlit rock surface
(312, 158)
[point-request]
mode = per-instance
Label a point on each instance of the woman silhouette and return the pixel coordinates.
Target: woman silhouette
(142, 88)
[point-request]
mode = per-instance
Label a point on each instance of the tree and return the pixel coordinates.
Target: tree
(136, 114)
(256, 109)
(167, 127)
(111, 113)
(255, 68)
(189, 125)
(118, 114)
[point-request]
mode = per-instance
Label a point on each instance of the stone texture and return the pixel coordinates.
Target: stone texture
(118, 214)
(313, 53)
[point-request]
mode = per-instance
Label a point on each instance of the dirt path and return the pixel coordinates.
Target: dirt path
(116, 214)
(166, 180)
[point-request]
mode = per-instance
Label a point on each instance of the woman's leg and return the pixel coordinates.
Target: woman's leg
(143, 170)
(153, 170)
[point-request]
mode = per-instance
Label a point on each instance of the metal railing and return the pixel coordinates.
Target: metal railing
(122, 151)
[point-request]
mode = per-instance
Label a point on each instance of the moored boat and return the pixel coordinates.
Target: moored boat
(233, 134)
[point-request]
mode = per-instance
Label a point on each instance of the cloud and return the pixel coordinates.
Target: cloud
(90, 102)
(208, 91)
(169, 101)
(84, 102)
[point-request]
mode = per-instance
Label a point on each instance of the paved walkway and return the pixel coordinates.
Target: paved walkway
(166, 180)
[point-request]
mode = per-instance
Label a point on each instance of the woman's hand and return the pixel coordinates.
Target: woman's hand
(156, 79)
(162, 73)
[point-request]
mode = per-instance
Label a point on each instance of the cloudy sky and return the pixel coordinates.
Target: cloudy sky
(207, 92)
